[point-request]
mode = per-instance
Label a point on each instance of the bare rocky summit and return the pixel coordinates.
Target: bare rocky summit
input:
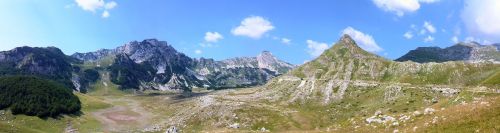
(174, 71)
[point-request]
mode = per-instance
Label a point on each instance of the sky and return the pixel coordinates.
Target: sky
(295, 31)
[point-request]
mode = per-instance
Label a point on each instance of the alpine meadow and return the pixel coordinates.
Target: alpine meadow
(225, 66)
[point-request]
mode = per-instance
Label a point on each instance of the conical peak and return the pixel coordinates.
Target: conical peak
(347, 47)
(349, 43)
(346, 39)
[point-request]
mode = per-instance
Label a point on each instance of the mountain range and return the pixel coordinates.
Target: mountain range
(345, 89)
(155, 65)
(464, 51)
(145, 65)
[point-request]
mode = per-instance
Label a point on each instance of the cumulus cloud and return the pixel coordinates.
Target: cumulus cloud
(97, 5)
(315, 48)
(198, 51)
(429, 39)
(482, 18)
(400, 7)
(253, 27)
(105, 14)
(365, 41)
(429, 1)
(429, 27)
(213, 37)
(285, 40)
(90, 5)
(454, 39)
(408, 35)
(110, 5)
(423, 31)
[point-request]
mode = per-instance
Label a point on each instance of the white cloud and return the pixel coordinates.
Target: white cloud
(315, 48)
(474, 39)
(429, 39)
(97, 5)
(285, 40)
(204, 44)
(198, 51)
(90, 5)
(454, 39)
(482, 18)
(105, 14)
(365, 41)
(408, 35)
(213, 36)
(400, 7)
(110, 5)
(253, 27)
(429, 27)
(429, 1)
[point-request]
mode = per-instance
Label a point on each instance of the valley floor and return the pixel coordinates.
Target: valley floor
(106, 109)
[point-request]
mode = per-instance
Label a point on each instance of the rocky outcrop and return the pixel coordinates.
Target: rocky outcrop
(49, 62)
(175, 71)
(469, 52)
(346, 67)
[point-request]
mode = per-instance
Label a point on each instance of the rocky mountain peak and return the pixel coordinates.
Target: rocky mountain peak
(145, 45)
(169, 69)
(347, 42)
(266, 56)
(267, 60)
(346, 47)
(265, 53)
(346, 39)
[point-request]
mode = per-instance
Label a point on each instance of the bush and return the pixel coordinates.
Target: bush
(34, 96)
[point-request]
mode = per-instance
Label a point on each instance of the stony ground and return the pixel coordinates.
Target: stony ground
(260, 110)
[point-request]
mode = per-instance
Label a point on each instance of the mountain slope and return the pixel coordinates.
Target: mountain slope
(346, 89)
(176, 71)
(346, 66)
(47, 62)
(470, 52)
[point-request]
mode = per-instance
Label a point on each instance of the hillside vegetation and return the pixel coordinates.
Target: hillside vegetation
(36, 97)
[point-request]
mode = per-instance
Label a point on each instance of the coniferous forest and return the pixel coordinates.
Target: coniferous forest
(34, 96)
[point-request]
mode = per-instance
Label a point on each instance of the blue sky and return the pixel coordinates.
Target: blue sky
(293, 30)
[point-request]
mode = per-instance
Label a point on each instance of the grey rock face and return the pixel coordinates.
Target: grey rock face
(470, 52)
(47, 62)
(176, 71)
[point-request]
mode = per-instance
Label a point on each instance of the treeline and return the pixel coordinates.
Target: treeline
(34, 96)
